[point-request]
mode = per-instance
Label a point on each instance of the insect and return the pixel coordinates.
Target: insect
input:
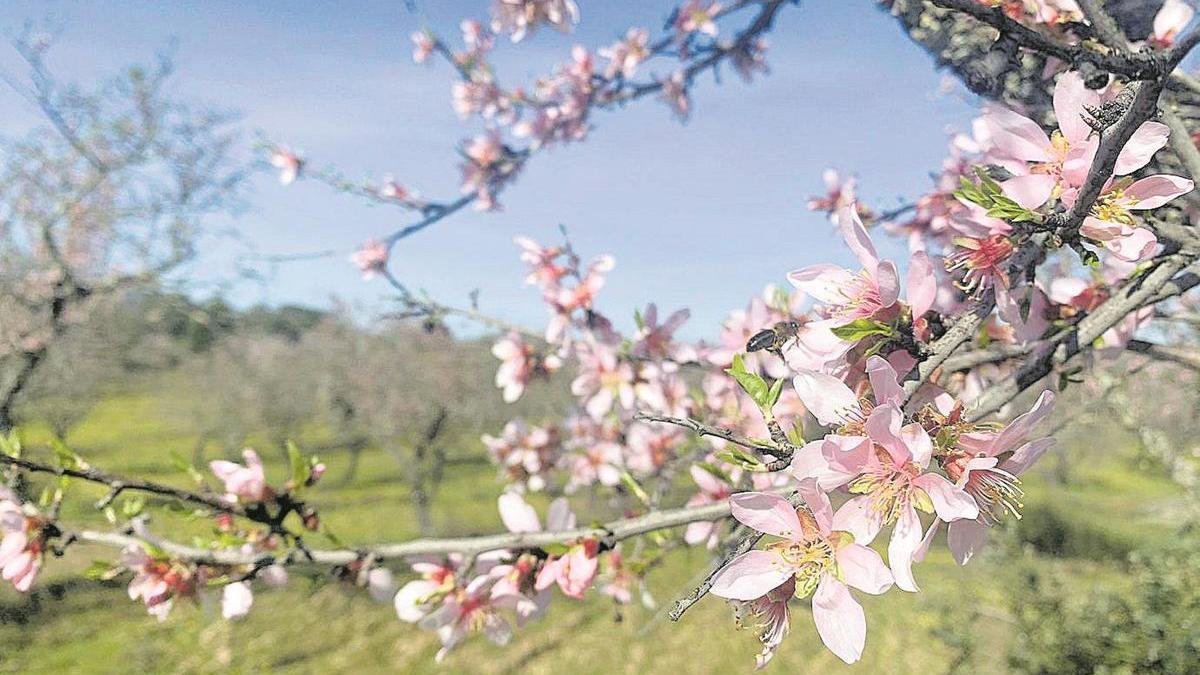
(775, 338)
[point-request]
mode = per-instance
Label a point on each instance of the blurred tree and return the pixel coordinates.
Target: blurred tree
(111, 193)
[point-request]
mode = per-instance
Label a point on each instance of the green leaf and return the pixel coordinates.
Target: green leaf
(715, 471)
(752, 383)
(775, 392)
(633, 487)
(102, 571)
(298, 465)
(861, 328)
(556, 550)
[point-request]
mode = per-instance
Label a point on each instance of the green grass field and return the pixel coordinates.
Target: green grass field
(70, 624)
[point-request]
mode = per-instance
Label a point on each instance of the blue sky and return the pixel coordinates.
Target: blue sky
(701, 215)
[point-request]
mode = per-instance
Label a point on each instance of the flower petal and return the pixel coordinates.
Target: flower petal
(840, 620)
(1154, 191)
(750, 576)
(518, 516)
(1147, 140)
(825, 396)
(906, 539)
(951, 503)
(858, 518)
(884, 382)
(965, 538)
(767, 513)
(863, 568)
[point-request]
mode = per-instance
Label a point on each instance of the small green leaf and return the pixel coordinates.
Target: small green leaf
(861, 328)
(633, 487)
(752, 383)
(298, 466)
(775, 392)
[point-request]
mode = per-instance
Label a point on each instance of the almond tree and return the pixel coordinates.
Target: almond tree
(856, 406)
(112, 191)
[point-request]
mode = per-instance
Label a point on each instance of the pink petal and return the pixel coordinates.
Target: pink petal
(818, 502)
(965, 538)
(1016, 135)
(856, 236)
(887, 278)
(518, 516)
(1031, 190)
(1026, 455)
(922, 284)
(863, 568)
(750, 576)
(883, 426)
(906, 539)
(1102, 230)
(823, 282)
(919, 445)
(1070, 97)
(951, 503)
(884, 383)
(825, 396)
(840, 620)
(1136, 246)
(1172, 19)
(559, 516)
(858, 518)
(1020, 427)
(767, 513)
(1154, 191)
(1147, 140)
(846, 454)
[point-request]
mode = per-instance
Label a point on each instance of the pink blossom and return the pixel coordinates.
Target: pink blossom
(712, 490)
(157, 583)
(881, 459)
(371, 259)
(1112, 225)
(850, 296)
(22, 543)
(604, 379)
(1172, 18)
(423, 46)
(618, 580)
(655, 341)
(242, 483)
(696, 16)
(596, 462)
(417, 599)
(287, 162)
(521, 17)
(675, 94)
(520, 362)
(1056, 165)
(986, 466)
(525, 454)
(650, 447)
(626, 55)
(813, 556)
(839, 194)
(574, 572)
(466, 610)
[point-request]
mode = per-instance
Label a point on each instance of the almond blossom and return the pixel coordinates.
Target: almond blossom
(1169, 22)
(881, 459)
(22, 543)
(1056, 166)
(242, 483)
(288, 163)
(1112, 224)
(520, 362)
(371, 259)
(849, 296)
(626, 55)
(521, 17)
(159, 582)
(987, 465)
(814, 557)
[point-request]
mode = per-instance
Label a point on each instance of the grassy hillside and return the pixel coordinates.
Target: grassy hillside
(73, 625)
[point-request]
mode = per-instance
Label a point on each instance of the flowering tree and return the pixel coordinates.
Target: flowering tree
(855, 406)
(110, 194)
